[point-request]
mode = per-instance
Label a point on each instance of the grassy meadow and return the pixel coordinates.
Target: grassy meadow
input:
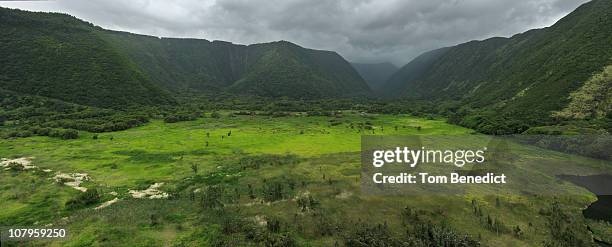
(260, 180)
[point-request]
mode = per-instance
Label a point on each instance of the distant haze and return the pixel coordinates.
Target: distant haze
(364, 31)
(375, 74)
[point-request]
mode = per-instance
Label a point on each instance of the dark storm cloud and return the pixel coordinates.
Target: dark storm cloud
(360, 30)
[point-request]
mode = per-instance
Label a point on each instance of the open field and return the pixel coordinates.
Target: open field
(229, 180)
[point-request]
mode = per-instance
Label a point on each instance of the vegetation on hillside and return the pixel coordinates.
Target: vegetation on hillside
(270, 69)
(506, 85)
(591, 101)
(257, 145)
(61, 57)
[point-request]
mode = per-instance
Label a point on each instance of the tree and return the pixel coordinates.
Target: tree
(153, 219)
(251, 193)
(213, 197)
(194, 168)
(69, 134)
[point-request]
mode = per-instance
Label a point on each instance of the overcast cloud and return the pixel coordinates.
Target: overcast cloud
(360, 30)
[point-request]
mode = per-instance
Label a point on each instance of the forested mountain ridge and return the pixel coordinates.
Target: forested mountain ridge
(396, 84)
(496, 86)
(506, 85)
(58, 56)
(285, 69)
(269, 69)
(62, 57)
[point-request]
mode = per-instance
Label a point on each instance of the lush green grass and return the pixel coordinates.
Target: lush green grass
(325, 164)
(165, 151)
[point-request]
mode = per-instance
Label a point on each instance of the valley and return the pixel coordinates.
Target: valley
(126, 139)
(223, 176)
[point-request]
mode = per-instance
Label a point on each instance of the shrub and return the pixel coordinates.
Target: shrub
(179, 117)
(84, 199)
(64, 133)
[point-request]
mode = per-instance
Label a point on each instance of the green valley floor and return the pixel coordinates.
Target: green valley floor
(259, 180)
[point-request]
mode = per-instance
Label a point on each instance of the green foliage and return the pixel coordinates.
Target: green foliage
(215, 115)
(26, 116)
(84, 199)
(64, 134)
(307, 203)
(507, 85)
(213, 197)
(61, 57)
(592, 100)
(374, 236)
(287, 70)
(427, 234)
(271, 69)
(566, 229)
(61, 61)
(596, 146)
(223, 204)
(274, 191)
(179, 117)
(13, 166)
(422, 234)
(59, 133)
(257, 161)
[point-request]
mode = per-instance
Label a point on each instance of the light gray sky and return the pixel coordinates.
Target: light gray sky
(360, 30)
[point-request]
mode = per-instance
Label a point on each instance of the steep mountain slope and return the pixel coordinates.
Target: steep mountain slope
(396, 83)
(591, 101)
(182, 64)
(517, 82)
(375, 74)
(58, 56)
(270, 69)
(285, 69)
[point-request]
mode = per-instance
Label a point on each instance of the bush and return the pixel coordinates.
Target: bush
(84, 199)
(280, 114)
(181, 117)
(64, 133)
(19, 133)
(368, 235)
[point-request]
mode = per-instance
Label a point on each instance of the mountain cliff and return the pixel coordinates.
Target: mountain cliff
(62, 57)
